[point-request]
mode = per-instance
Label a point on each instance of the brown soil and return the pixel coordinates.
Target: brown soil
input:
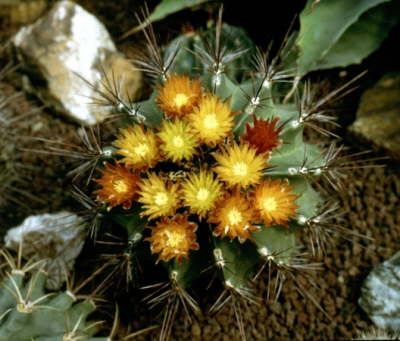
(370, 201)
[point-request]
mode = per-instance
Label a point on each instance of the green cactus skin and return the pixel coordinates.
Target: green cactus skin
(28, 313)
(236, 39)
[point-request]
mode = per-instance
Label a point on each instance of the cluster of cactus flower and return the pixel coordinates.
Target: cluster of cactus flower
(191, 172)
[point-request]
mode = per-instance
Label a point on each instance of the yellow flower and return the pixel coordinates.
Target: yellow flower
(234, 216)
(239, 165)
(177, 140)
(200, 191)
(179, 95)
(173, 238)
(274, 203)
(138, 147)
(212, 120)
(158, 197)
(119, 186)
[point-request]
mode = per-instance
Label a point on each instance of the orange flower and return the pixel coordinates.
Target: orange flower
(119, 184)
(173, 238)
(179, 95)
(264, 136)
(274, 203)
(234, 216)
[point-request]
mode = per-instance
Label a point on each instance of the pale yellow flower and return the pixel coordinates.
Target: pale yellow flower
(138, 146)
(177, 140)
(200, 191)
(239, 165)
(212, 120)
(159, 198)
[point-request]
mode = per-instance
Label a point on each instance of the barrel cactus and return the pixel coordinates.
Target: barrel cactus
(212, 172)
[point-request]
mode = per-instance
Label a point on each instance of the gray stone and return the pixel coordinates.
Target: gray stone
(380, 294)
(55, 238)
(378, 116)
(67, 42)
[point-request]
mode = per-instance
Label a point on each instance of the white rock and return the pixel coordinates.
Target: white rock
(67, 42)
(380, 294)
(57, 238)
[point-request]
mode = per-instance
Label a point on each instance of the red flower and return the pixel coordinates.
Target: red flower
(264, 135)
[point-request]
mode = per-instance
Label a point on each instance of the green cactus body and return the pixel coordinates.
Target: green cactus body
(30, 314)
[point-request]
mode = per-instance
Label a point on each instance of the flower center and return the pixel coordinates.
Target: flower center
(240, 169)
(120, 186)
(142, 149)
(161, 198)
(210, 121)
(174, 239)
(269, 204)
(178, 142)
(202, 194)
(181, 100)
(234, 217)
